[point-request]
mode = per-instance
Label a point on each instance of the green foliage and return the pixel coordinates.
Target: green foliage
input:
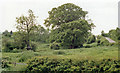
(63, 14)
(87, 46)
(59, 52)
(104, 34)
(91, 39)
(20, 39)
(33, 46)
(102, 41)
(47, 64)
(39, 34)
(69, 27)
(15, 50)
(118, 33)
(6, 33)
(4, 64)
(25, 24)
(26, 55)
(55, 46)
(114, 34)
(8, 45)
(71, 35)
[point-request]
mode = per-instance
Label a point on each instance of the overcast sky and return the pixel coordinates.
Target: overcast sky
(103, 13)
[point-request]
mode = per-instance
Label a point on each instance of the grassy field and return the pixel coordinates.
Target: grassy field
(94, 53)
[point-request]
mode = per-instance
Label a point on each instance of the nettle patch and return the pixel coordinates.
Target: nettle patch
(46, 64)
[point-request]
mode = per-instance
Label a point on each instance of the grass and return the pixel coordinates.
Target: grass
(94, 53)
(15, 68)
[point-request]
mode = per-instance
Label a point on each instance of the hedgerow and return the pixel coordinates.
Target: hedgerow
(48, 65)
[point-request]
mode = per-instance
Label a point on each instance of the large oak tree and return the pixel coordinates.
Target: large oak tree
(69, 27)
(64, 14)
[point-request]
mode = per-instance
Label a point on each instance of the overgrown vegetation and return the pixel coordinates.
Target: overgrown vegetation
(68, 65)
(66, 45)
(69, 27)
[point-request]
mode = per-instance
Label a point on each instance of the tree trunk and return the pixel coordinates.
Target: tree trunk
(28, 42)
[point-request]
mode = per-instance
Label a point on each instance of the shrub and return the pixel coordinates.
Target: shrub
(39, 64)
(8, 46)
(91, 39)
(6, 58)
(26, 55)
(102, 41)
(59, 52)
(33, 46)
(16, 50)
(4, 64)
(87, 45)
(55, 46)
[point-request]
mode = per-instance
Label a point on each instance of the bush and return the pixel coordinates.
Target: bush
(55, 46)
(102, 41)
(33, 46)
(91, 39)
(39, 64)
(59, 52)
(6, 58)
(26, 55)
(16, 50)
(8, 46)
(4, 64)
(87, 46)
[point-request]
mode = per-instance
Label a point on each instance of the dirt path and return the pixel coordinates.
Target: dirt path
(21, 63)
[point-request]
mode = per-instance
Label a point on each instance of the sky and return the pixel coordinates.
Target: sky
(103, 13)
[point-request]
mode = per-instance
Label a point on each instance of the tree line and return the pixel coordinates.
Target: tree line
(67, 27)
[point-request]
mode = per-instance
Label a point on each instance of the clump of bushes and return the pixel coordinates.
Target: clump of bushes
(59, 52)
(87, 46)
(48, 65)
(11, 46)
(33, 46)
(102, 41)
(26, 55)
(55, 46)
(4, 64)
(8, 45)
(91, 39)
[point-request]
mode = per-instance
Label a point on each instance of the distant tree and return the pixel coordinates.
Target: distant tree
(63, 14)
(40, 34)
(6, 33)
(11, 32)
(20, 39)
(72, 34)
(104, 34)
(114, 34)
(118, 34)
(69, 27)
(26, 24)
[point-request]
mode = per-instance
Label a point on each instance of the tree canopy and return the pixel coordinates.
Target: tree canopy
(72, 35)
(69, 27)
(64, 14)
(26, 24)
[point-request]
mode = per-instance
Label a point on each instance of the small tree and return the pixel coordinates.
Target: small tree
(6, 33)
(26, 24)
